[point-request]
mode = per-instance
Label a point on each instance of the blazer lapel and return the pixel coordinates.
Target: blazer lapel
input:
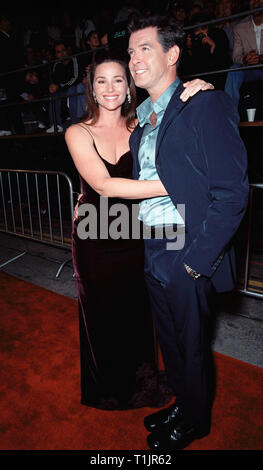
(173, 109)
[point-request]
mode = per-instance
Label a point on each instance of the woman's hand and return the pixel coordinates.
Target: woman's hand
(193, 86)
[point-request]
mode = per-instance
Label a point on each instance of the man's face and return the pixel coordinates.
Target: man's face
(61, 51)
(32, 78)
(201, 30)
(255, 4)
(180, 14)
(149, 64)
(94, 40)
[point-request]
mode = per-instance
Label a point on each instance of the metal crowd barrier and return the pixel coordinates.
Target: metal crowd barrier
(246, 290)
(51, 99)
(39, 219)
(37, 205)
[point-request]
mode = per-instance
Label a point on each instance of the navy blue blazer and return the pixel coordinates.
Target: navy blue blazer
(202, 162)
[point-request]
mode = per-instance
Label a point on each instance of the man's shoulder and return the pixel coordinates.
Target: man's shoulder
(134, 132)
(209, 98)
(208, 105)
(242, 26)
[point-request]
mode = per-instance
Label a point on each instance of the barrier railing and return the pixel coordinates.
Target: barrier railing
(39, 222)
(52, 99)
(31, 207)
(246, 289)
(37, 205)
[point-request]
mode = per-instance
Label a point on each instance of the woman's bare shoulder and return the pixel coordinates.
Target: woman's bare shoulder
(79, 129)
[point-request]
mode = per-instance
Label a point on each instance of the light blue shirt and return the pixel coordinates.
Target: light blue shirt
(157, 210)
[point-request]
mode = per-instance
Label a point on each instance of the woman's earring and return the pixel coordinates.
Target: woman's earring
(129, 96)
(95, 98)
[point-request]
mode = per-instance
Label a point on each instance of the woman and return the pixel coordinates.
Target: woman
(117, 344)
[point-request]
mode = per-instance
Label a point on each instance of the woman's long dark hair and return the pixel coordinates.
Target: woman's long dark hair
(128, 110)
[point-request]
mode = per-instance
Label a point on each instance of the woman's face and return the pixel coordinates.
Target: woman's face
(110, 85)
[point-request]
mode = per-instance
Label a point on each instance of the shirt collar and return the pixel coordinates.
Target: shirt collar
(257, 28)
(146, 108)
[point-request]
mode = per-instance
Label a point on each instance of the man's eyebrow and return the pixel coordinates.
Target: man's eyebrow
(140, 45)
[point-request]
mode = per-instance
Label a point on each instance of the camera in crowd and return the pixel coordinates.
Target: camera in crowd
(198, 37)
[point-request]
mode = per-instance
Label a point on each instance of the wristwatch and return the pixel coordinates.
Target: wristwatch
(194, 275)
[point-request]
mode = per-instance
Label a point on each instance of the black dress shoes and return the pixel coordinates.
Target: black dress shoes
(175, 437)
(171, 415)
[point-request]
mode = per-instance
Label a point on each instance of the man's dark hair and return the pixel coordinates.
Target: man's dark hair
(169, 32)
(90, 34)
(58, 42)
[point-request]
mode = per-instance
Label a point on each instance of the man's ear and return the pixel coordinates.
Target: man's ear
(173, 55)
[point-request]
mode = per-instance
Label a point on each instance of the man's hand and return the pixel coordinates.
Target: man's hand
(188, 41)
(252, 58)
(210, 42)
(193, 274)
(193, 86)
(53, 88)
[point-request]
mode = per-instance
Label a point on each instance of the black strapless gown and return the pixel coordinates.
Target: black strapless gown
(117, 341)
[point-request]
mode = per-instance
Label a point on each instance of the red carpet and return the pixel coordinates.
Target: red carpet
(40, 390)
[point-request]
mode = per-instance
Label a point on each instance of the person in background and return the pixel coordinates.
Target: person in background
(53, 30)
(247, 50)
(87, 26)
(30, 56)
(10, 84)
(34, 89)
(179, 13)
(227, 8)
(127, 9)
(207, 50)
(66, 75)
(92, 46)
(68, 31)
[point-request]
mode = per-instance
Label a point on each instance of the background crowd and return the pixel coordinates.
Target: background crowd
(54, 50)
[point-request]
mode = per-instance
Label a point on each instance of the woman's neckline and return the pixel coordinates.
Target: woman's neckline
(105, 159)
(86, 126)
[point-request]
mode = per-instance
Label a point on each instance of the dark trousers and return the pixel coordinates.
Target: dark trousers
(182, 312)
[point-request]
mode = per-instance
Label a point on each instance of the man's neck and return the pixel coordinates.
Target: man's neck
(158, 91)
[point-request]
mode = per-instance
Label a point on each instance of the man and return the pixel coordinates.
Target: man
(196, 151)
(207, 50)
(66, 75)
(10, 84)
(248, 37)
(247, 50)
(92, 46)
